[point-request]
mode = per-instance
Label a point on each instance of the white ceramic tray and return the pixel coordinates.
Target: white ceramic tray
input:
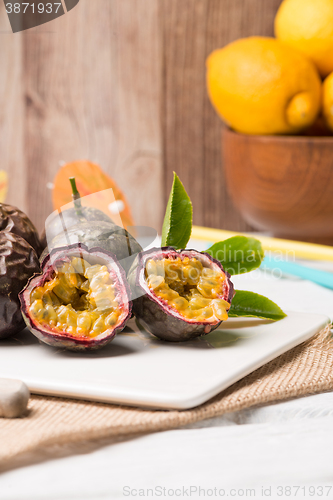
(137, 369)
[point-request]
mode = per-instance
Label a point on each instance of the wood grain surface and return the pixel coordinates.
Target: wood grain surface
(12, 112)
(90, 83)
(191, 128)
(122, 82)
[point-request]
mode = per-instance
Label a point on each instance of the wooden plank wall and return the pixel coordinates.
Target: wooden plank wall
(191, 128)
(12, 112)
(122, 82)
(86, 85)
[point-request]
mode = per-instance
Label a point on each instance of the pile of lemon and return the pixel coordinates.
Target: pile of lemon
(279, 85)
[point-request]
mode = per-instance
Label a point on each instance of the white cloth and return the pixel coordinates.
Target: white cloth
(256, 453)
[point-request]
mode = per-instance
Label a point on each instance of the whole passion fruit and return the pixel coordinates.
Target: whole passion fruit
(56, 223)
(80, 301)
(179, 295)
(105, 235)
(18, 262)
(14, 221)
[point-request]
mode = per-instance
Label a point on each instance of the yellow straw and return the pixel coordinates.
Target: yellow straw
(301, 250)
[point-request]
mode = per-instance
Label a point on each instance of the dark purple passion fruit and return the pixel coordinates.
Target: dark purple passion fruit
(56, 223)
(80, 301)
(18, 262)
(15, 221)
(105, 235)
(179, 295)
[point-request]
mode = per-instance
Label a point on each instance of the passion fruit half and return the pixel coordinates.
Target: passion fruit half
(80, 301)
(179, 295)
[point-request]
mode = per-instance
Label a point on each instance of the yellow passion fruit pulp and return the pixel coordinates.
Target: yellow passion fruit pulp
(189, 287)
(179, 294)
(80, 299)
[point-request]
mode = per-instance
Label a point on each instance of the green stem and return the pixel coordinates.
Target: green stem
(76, 197)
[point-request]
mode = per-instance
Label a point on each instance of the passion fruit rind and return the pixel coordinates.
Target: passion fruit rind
(59, 334)
(17, 222)
(105, 235)
(158, 316)
(70, 217)
(19, 262)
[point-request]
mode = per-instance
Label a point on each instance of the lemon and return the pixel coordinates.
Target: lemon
(261, 86)
(327, 101)
(307, 25)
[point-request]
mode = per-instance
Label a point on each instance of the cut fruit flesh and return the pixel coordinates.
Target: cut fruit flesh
(79, 299)
(189, 287)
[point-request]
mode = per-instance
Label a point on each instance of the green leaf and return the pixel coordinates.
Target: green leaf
(177, 225)
(238, 254)
(254, 305)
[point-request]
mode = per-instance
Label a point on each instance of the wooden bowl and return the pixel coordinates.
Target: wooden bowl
(282, 184)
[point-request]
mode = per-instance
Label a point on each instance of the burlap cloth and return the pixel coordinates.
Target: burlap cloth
(52, 422)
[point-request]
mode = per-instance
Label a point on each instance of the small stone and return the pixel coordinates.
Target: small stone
(14, 397)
